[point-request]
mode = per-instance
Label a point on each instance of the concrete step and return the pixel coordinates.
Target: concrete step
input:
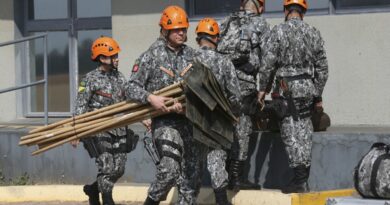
(137, 193)
(354, 200)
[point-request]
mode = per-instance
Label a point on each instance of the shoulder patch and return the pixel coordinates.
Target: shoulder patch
(136, 66)
(82, 87)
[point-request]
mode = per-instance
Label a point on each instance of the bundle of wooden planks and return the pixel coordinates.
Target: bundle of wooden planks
(104, 119)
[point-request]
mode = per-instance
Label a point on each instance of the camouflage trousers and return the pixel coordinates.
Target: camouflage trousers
(179, 164)
(216, 165)
(242, 132)
(110, 168)
(297, 137)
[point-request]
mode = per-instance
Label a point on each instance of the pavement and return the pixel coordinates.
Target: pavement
(64, 203)
(136, 193)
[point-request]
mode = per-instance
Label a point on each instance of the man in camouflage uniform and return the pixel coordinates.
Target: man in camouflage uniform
(159, 67)
(295, 52)
(99, 88)
(207, 37)
(243, 35)
(159, 42)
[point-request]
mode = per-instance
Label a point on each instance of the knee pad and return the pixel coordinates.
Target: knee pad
(169, 143)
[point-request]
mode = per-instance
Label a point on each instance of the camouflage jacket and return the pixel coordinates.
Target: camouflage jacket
(159, 42)
(100, 89)
(224, 71)
(295, 48)
(150, 76)
(243, 35)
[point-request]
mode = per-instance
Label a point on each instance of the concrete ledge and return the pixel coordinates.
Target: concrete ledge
(137, 193)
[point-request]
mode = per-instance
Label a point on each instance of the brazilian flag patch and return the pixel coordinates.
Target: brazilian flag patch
(135, 66)
(82, 87)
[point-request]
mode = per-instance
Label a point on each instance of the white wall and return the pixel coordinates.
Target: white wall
(358, 50)
(7, 61)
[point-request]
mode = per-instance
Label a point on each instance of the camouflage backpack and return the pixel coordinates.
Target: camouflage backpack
(372, 178)
(235, 39)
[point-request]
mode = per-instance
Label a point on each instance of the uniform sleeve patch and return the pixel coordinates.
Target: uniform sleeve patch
(82, 86)
(81, 89)
(135, 66)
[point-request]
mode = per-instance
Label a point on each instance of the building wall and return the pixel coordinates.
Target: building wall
(356, 44)
(7, 62)
(357, 47)
(359, 61)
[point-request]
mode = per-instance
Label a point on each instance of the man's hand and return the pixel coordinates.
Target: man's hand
(148, 124)
(74, 143)
(176, 107)
(260, 97)
(158, 102)
(318, 105)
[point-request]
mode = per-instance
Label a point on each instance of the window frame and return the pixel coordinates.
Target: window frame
(357, 10)
(331, 10)
(72, 25)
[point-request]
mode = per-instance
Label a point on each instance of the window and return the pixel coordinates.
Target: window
(274, 8)
(214, 7)
(71, 25)
(202, 8)
(362, 5)
(38, 9)
(316, 7)
(58, 72)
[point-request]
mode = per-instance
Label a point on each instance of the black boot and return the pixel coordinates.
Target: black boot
(150, 201)
(299, 183)
(107, 198)
(236, 183)
(221, 197)
(245, 184)
(92, 192)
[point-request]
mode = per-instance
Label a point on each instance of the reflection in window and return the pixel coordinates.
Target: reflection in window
(93, 8)
(204, 7)
(47, 9)
(207, 7)
(277, 5)
(58, 73)
(84, 49)
(346, 4)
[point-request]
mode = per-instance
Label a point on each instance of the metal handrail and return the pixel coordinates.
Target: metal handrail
(44, 81)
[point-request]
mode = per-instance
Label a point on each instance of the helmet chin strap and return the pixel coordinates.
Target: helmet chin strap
(255, 3)
(257, 6)
(110, 65)
(289, 12)
(207, 38)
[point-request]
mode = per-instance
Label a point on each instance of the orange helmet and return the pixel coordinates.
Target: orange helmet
(174, 17)
(104, 46)
(302, 3)
(207, 25)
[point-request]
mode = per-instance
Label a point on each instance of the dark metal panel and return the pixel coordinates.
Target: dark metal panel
(93, 23)
(48, 25)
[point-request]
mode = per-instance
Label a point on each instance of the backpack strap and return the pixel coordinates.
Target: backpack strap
(230, 19)
(356, 178)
